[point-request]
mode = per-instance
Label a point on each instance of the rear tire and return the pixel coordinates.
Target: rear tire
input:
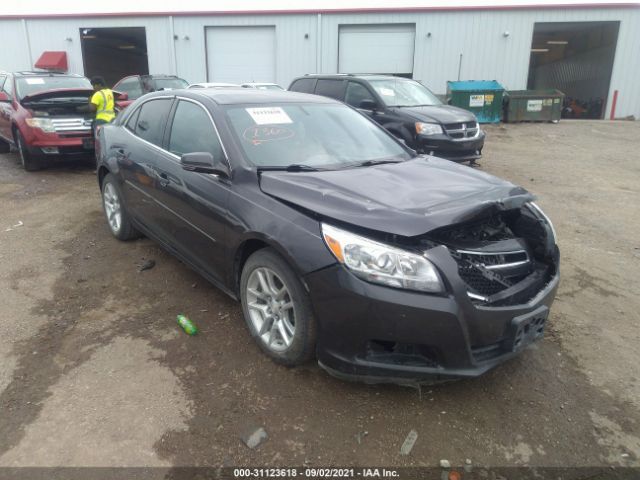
(117, 217)
(29, 162)
(277, 309)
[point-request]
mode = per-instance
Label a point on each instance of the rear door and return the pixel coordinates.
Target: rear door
(138, 155)
(194, 205)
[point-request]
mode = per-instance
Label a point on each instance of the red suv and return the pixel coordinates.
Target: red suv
(44, 115)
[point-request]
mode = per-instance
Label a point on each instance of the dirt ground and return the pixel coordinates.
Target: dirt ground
(95, 372)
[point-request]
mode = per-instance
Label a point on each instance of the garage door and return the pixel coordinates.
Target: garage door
(376, 49)
(241, 54)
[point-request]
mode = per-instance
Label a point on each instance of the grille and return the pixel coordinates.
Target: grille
(64, 125)
(488, 273)
(462, 130)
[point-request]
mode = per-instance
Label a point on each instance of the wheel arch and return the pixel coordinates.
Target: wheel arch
(248, 247)
(102, 172)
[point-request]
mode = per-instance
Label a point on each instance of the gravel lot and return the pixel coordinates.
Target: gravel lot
(94, 370)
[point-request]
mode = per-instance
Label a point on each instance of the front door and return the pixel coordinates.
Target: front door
(193, 205)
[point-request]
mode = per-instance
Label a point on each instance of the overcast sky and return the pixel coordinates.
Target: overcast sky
(36, 7)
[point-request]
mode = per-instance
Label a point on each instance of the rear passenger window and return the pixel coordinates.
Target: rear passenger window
(152, 119)
(192, 131)
(303, 85)
(356, 93)
(331, 88)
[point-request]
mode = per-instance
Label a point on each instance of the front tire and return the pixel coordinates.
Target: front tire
(277, 309)
(117, 217)
(29, 162)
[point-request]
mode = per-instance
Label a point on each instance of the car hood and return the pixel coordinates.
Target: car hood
(408, 198)
(58, 93)
(439, 114)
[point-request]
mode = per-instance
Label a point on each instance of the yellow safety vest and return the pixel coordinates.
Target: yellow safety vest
(104, 102)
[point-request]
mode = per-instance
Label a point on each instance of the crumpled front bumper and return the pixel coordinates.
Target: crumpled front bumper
(377, 334)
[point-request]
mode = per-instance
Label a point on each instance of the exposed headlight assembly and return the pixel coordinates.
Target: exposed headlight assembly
(379, 263)
(537, 210)
(44, 124)
(428, 128)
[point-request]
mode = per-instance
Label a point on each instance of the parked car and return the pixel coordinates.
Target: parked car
(137, 85)
(214, 85)
(41, 115)
(406, 108)
(262, 86)
(339, 241)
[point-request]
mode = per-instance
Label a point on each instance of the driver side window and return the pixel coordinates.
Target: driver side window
(356, 93)
(192, 131)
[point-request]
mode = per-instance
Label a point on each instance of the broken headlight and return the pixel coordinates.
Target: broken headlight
(380, 263)
(539, 213)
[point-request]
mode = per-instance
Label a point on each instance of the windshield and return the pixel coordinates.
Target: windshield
(170, 83)
(30, 85)
(312, 135)
(404, 93)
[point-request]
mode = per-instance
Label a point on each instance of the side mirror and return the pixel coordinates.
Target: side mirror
(4, 97)
(368, 105)
(203, 162)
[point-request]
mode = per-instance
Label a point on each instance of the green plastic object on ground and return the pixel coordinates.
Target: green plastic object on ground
(187, 325)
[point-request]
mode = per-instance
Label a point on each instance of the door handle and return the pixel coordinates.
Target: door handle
(164, 179)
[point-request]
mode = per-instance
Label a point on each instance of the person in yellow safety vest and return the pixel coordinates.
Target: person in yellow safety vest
(102, 102)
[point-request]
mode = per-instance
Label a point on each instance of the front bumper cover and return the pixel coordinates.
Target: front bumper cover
(366, 330)
(444, 146)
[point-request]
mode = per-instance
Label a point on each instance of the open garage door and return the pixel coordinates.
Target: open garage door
(114, 53)
(241, 54)
(384, 49)
(577, 59)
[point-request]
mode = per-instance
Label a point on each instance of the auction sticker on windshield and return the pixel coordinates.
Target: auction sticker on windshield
(35, 81)
(387, 92)
(269, 115)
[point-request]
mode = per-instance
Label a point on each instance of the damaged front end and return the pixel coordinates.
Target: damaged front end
(505, 257)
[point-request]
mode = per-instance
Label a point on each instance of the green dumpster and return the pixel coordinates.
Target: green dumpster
(533, 105)
(482, 97)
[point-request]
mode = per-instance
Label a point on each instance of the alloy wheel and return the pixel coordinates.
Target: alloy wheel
(112, 207)
(271, 309)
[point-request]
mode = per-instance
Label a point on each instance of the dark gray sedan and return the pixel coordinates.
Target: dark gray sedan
(340, 242)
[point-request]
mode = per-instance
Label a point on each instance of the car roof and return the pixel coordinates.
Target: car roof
(46, 73)
(158, 75)
(359, 76)
(241, 96)
(214, 84)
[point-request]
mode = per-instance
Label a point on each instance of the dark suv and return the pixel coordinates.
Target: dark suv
(406, 108)
(137, 85)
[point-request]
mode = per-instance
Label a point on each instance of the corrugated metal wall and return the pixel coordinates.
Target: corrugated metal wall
(309, 43)
(295, 54)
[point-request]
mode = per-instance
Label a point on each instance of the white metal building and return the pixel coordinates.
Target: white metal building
(590, 50)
